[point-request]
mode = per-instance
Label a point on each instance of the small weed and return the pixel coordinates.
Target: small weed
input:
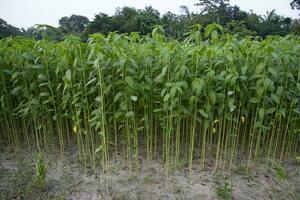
(241, 170)
(281, 173)
(41, 170)
(225, 191)
(147, 178)
(298, 159)
(280, 170)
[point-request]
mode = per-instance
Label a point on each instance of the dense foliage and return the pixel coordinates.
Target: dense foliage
(7, 29)
(295, 4)
(128, 19)
(212, 95)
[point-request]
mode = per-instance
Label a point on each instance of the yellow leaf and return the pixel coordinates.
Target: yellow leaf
(243, 119)
(75, 129)
(214, 130)
(216, 121)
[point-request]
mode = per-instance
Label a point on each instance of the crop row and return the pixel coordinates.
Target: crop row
(210, 95)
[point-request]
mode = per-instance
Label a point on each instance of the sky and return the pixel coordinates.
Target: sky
(26, 13)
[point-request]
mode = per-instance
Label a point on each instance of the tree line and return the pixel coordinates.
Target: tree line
(129, 19)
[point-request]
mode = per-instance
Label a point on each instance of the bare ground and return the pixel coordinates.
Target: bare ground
(67, 179)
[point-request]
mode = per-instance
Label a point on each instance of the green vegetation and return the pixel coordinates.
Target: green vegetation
(298, 159)
(225, 191)
(8, 30)
(211, 96)
(129, 19)
(281, 173)
(41, 170)
(20, 180)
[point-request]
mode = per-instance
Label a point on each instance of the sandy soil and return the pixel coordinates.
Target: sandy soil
(66, 179)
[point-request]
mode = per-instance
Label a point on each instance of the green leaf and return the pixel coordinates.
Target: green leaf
(259, 68)
(160, 77)
(98, 99)
(158, 110)
(98, 149)
(211, 73)
(267, 83)
(198, 85)
(282, 111)
(163, 92)
(173, 92)
(15, 75)
(129, 114)
(90, 82)
(261, 113)
(106, 89)
(228, 77)
(260, 92)
(192, 99)
(270, 110)
(298, 86)
(42, 77)
(129, 81)
(16, 90)
(44, 94)
(212, 96)
(231, 105)
(254, 100)
(279, 90)
(69, 75)
(275, 98)
(230, 93)
(166, 97)
(233, 80)
(117, 96)
(244, 70)
(273, 72)
(203, 113)
(133, 98)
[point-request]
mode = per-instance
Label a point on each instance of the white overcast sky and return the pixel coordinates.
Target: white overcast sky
(26, 13)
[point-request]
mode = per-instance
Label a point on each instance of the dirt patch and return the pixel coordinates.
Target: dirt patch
(67, 179)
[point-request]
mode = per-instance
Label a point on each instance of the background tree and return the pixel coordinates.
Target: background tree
(295, 26)
(239, 28)
(8, 30)
(43, 31)
(146, 19)
(33, 32)
(211, 5)
(48, 32)
(102, 23)
(129, 19)
(295, 4)
(173, 24)
(75, 24)
(274, 24)
(126, 19)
